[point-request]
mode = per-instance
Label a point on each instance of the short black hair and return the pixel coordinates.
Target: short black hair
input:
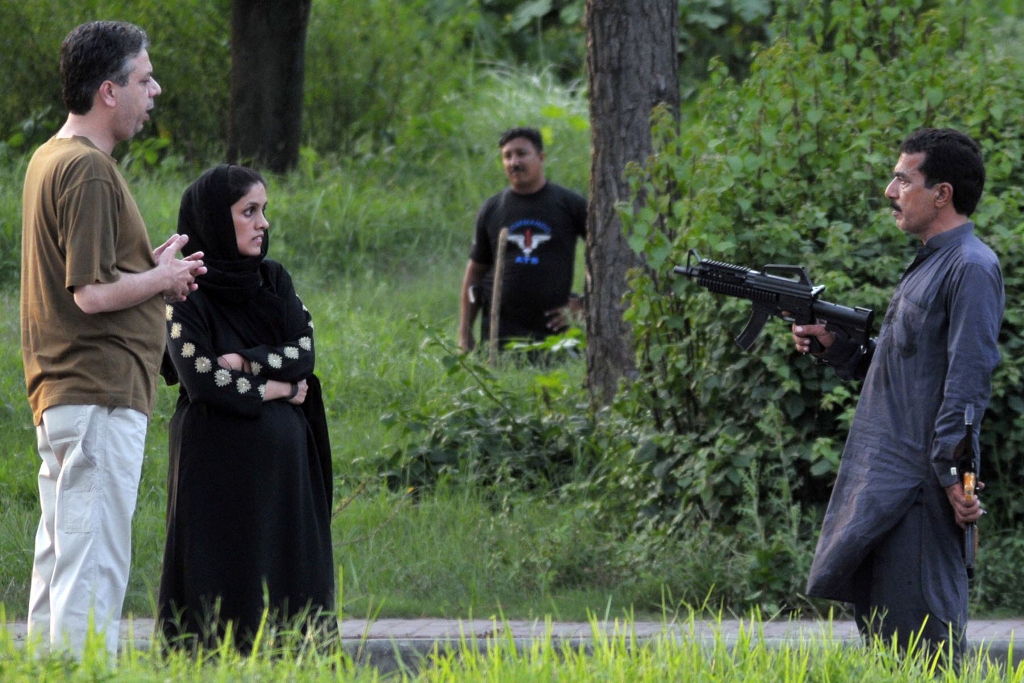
(950, 157)
(531, 134)
(95, 52)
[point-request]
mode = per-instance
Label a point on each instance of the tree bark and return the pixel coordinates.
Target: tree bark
(631, 68)
(268, 56)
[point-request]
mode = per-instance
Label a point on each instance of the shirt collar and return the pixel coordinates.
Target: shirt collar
(948, 237)
(937, 242)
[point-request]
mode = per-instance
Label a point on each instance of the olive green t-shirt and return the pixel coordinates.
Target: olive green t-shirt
(81, 226)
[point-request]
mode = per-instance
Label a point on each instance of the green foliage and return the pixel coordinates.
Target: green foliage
(997, 582)
(348, 220)
(492, 436)
(371, 65)
(538, 32)
(32, 131)
(553, 33)
(190, 52)
(12, 174)
(501, 98)
(721, 29)
(789, 166)
(380, 76)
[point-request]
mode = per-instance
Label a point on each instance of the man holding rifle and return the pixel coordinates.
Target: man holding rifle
(892, 538)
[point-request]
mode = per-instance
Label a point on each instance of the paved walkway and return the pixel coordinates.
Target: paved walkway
(390, 643)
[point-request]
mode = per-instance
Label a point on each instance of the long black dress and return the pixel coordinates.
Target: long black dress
(249, 481)
(248, 508)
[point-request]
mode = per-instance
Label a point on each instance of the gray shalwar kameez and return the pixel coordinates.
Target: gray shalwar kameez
(934, 355)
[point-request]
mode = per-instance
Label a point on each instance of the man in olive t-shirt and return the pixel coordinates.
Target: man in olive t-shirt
(92, 318)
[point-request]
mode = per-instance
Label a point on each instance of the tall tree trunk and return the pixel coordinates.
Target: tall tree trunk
(268, 56)
(631, 68)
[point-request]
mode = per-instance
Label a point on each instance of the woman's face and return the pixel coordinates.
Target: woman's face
(249, 216)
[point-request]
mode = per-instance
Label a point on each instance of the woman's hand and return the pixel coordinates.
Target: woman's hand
(233, 361)
(293, 392)
(300, 394)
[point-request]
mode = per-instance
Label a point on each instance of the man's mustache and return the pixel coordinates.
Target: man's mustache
(895, 206)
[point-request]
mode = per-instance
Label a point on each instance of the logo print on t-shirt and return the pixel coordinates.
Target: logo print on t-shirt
(528, 235)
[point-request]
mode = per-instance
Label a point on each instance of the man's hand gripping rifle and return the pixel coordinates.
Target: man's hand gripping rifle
(781, 290)
(967, 465)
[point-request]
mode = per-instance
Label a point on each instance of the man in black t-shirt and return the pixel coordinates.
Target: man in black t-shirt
(544, 222)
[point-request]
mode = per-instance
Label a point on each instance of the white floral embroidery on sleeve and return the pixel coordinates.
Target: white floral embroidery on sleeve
(274, 360)
(242, 385)
(222, 377)
(168, 312)
(262, 390)
(175, 330)
(255, 367)
(203, 365)
(306, 343)
(291, 352)
(188, 349)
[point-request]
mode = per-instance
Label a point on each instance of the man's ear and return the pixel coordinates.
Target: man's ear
(943, 194)
(105, 94)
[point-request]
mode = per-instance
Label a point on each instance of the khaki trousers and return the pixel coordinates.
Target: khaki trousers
(88, 487)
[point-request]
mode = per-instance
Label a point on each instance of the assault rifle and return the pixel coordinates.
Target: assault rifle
(968, 466)
(781, 290)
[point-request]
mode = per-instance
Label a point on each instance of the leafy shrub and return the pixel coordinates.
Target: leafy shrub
(997, 584)
(371, 66)
(721, 30)
(190, 50)
(492, 436)
(789, 167)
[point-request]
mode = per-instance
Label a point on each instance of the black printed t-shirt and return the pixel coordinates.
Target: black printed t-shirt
(539, 257)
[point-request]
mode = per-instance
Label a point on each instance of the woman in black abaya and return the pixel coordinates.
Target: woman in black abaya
(249, 479)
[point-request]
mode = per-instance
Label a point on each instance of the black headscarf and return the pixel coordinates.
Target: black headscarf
(205, 216)
(233, 281)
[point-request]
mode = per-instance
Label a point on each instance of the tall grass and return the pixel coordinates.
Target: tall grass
(612, 653)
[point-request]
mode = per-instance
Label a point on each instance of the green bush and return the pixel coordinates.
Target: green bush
(374, 66)
(789, 167)
(371, 67)
(190, 51)
(499, 438)
(381, 76)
